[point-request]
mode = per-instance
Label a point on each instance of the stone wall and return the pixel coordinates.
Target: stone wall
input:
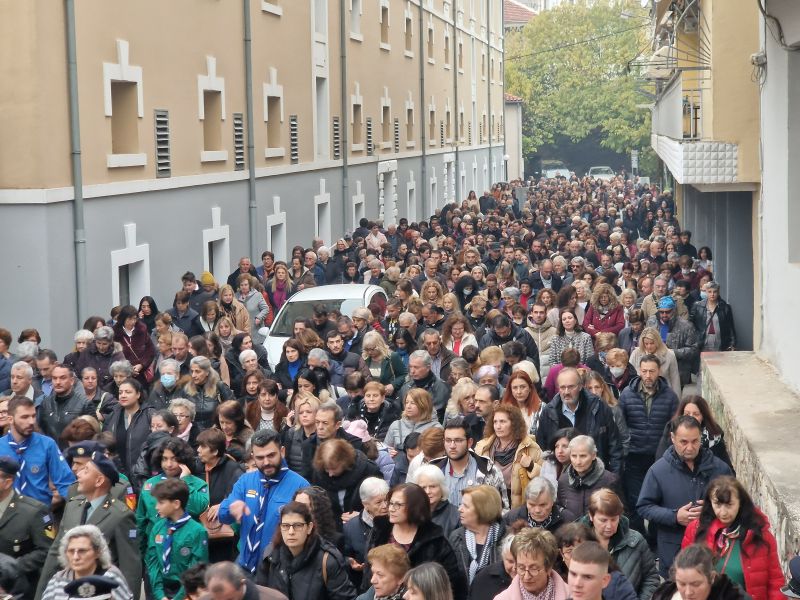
(761, 419)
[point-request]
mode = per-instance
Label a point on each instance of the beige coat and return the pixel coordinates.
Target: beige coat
(520, 476)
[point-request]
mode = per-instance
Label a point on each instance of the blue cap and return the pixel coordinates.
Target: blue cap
(93, 586)
(106, 466)
(792, 587)
(666, 303)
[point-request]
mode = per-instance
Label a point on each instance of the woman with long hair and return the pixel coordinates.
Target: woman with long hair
(508, 445)
(404, 344)
(319, 503)
(417, 416)
(137, 346)
(457, 334)
(650, 343)
(233, 309)
(267, 412)
(693, 577)
(230, 419)
(711, 434)
(462, 399)
(385, 366)
(428, 581)
(301, 425)
(521, 391)
(302, 564)
(605, 313)
(594, 383)
(147, 312)
(738, 535)
(279, 288)
(293, 359)
(570, 334)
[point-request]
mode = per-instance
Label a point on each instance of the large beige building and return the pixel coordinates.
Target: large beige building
(358, 108)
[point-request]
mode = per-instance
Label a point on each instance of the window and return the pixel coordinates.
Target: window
(322, 145)
(448, 133)
(358, 133)
(212, 121)
(430, 43)
(274, 116)
(123, 104)
(446, 50)
(460, 55)
(272, 7)
(355, 20)
(357, 119)
(432, 127)
(461, 125)
(386, 127)
(410, 126)
(483, 64)
(491, 69)
(409, 51)
(211, 100)
(385, 26)
(124, 118)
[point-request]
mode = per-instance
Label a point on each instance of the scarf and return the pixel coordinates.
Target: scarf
(504, 457)
(185, 435)
(294, 368)
(543, 524)
(726, 538)
(21, 481)
(398, 595)
(254, 535)
(167, 548)
(279, 294)
(478, 562)
(548, 593)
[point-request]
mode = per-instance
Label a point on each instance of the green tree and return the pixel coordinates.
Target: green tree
(570, 65)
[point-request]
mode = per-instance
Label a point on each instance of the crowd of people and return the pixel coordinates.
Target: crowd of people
(506, 421)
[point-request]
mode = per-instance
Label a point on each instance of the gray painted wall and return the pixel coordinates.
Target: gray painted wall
(38, 266)
(723, 222)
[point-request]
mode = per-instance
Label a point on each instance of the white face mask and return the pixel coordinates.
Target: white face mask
(617, 371)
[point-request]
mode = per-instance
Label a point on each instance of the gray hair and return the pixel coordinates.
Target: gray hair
(431, 579)
(320, 355)
(323, 250)
(511, 292)
(505, 545)
(201, 362)
(244, 355)
(712, 285)
(538, 486)
(430, 332)
(485, 371)
(95, 537)
(184, 403)
(121, 366)
(423, 356)
(433, 473)
(372, 487)
(24, 367)
(172, 364)
(104, 333)
(583, 441)
(27, 350)
(406, 317)
(83, 335)
(331, 406)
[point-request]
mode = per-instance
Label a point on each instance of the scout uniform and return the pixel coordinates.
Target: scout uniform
(146, 513)
(40, 463)
(26, 529)
(173, 547)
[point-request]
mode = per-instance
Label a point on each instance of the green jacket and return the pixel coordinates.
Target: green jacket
(26, 532)
(146, 513)
(189, 547)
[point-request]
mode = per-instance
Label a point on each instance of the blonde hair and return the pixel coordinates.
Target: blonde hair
(461, 390)
(651, 333)
(423, 401)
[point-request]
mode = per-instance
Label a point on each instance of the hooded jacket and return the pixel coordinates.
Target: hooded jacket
(575, 490)
(763, 577)
(632, 555)
(646, 428)
(400, 429)
(428, 545)
(668, 485)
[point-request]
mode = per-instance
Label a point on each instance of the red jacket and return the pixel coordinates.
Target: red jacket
(763, 577)
(613, 321)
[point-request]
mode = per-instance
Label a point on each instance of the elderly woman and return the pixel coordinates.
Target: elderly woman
(650, 343)
(627, 546)
(239, 343)
(477, 542)
(84, 552)
(119, 370)
(81, 338)
(372, 492)
(206, 391)
(254, 302)
(374, 409)
(130, 423)
(167, 387)
(389, 565)
(339, 469)
(100, 354)
(248, 359)
(230, 419)
(417, 417)
(712, 317)
(137, 346)
(605, 313)
(513, 451)
(409, 526)
(535, 553)
(432, 481)
(384, 366)
(462, 399)
(585, 474)
(185, 411)
(221, 474)
(540, 508)
(102, 402)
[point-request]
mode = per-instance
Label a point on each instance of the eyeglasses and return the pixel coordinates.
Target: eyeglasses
(293, 526)
(451, 441)
(395, 505)
(533, 571)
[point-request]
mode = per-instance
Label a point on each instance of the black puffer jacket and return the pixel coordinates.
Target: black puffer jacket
(721, 589)
(56, 412)
(301, 577)
(446, 516)
(429, 545)
(349, 482)
(552, 523)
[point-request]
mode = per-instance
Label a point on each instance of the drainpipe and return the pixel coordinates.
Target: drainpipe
(456, 123)
(344, 130)
(489, 85)
(424, 114)
(251, 160)
(503, 80)
(79, 231)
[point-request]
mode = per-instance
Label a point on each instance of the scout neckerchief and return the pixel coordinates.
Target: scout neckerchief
(166, 552)
(254, 535)
(21, 481)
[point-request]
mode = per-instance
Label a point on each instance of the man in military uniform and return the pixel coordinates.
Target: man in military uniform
(26, 528)
(79, 454)
(95, 505)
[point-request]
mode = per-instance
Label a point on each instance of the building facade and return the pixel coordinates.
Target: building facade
(360, 108)
(705, 129)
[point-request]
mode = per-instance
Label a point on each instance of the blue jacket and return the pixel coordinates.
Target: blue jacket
(646, 430)
(668, 485)
(5, 373)
(43, 462)
(247, 489)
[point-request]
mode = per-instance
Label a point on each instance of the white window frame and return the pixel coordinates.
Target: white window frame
(272, 7)
(131, 254)
(356, 99)
(123, 71)
(210, 82)
(272, 89)
(356, 11)
(387, 46)
(408, 16)
(409, 105)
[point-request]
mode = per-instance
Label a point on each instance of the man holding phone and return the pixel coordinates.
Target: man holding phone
(673, 487)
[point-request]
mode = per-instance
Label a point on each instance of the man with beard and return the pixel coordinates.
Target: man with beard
(258, 496)
(349, 361)
(504, 330)
(38, 456)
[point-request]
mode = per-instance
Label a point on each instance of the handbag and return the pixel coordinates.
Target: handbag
(149, 373)
(215, 529)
